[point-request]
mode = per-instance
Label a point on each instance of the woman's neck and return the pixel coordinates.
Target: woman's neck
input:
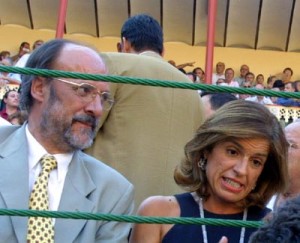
(11, 109)
(221, 207)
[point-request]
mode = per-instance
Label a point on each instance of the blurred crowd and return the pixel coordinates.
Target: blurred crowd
(246, 79)
(10, 108)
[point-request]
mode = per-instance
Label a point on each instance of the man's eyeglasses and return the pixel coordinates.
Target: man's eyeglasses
(88, 93)
(293, 145)
(245, 86)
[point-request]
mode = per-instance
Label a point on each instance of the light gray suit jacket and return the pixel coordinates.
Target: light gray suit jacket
(90, 186)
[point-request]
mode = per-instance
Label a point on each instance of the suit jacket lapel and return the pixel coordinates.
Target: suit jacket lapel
(14, 187)
(78, 185)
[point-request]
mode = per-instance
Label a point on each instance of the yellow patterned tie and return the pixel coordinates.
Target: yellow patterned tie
(41, 229)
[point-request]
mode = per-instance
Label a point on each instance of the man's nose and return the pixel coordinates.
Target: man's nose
(95, 107)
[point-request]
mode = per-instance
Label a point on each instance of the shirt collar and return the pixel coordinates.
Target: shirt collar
(36, 151)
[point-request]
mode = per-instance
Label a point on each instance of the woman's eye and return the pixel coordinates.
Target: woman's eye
(231, 151)
(256, 162)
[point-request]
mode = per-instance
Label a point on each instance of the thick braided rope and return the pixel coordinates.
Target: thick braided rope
(147, 82)
(130, 219)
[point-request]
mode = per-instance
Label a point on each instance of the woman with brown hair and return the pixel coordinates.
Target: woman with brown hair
(233, 165)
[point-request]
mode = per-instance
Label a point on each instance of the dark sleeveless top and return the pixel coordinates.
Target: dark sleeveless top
(193, 233)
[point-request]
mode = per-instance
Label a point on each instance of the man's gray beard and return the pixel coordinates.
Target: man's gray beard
(54, 126)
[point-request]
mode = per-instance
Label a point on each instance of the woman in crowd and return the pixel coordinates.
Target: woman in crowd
(260, 79)
(9, 104)
(200, 75)
(234, 164)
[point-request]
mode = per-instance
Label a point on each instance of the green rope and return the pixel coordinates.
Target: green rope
(130, 219)
(148, 82)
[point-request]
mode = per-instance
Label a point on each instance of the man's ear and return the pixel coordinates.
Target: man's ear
(126, 45)
(119, 47)
(163, 51)
(38, 88)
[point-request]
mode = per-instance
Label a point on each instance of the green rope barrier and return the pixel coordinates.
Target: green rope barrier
(147, 82)
(130, 219)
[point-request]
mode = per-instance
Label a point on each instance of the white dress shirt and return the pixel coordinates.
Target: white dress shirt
(215, 77)
(264, 101)
(57, 176)
(20, 63)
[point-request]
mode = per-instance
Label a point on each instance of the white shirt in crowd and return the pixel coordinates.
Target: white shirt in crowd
(4, 122)
(264, 101)
(20, 63)
(215, 77)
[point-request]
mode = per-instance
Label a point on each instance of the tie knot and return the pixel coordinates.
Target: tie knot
(48, 162)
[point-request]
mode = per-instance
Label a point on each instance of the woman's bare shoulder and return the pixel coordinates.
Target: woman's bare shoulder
(165, 206)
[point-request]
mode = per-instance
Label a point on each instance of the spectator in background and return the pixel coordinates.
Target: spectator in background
(297, 85)
(282, 227)
(250, 77)
(278, 84)
(287, 74)
(259, 98)
(229, 78)
(292, 134)
(23, 49)
(213, 101)
(23, 60)
(200, 74)
(243, 71)
(192, 76)
(4, 55)
(270, 82)
(222, 82)
(260, 79)
(7, 78)
(246, 85)
(288, 87)
(220, 68)
(273, 98)
(9, 104)
(37, 44)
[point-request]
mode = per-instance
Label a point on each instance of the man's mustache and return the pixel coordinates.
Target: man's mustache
(91, 120)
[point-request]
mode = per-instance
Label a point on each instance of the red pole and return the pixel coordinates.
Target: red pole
(212, 9)
(61, 19)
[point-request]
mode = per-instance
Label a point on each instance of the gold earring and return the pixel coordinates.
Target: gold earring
(202, 163)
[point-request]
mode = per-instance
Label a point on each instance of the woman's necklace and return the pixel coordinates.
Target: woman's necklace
(204, 232)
